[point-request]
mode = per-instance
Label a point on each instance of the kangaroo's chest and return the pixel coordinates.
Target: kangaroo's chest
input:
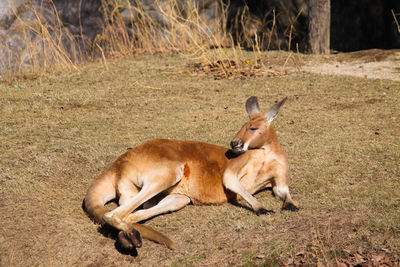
(258, 171)
(257, 164)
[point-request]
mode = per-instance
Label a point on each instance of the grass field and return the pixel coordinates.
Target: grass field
(341, 134)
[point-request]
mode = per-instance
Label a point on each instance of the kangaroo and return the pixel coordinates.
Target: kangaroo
(176, 173)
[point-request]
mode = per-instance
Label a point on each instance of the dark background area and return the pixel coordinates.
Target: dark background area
(364, 24)
(355, 25)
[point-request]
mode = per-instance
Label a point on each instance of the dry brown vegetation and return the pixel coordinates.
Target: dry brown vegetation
(46, 43)
(49, 45)
(341, 135)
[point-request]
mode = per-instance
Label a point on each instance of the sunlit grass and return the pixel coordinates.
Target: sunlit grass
(59, 132)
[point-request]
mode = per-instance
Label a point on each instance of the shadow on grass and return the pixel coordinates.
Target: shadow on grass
(237, 204)
(112, 233)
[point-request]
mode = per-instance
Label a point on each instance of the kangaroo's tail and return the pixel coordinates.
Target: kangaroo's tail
(101, 190)
(153, 235)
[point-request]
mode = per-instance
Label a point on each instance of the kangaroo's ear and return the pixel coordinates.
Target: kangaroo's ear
(274, 110)
(252, 106)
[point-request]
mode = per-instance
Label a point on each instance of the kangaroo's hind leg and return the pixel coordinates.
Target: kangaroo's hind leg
(170, 203)
(155, 181)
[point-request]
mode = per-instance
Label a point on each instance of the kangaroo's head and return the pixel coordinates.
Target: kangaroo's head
(257, 132)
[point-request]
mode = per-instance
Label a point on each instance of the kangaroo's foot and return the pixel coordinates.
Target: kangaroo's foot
(130, 239)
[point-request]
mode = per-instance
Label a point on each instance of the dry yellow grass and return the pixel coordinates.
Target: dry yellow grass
(59, 131)
(46, 43)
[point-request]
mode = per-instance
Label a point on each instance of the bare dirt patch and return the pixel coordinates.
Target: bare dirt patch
(374, 64)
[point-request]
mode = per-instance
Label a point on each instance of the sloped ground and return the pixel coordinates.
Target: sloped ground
(341, 134)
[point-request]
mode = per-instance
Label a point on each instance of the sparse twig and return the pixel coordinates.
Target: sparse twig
(103, 56)
(395, 20)
(146, 86)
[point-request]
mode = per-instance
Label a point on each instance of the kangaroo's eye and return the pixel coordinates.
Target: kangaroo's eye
(253, 129)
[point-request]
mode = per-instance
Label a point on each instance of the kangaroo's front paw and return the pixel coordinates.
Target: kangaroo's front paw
(130, 239)
(262, 211)
(290, 207)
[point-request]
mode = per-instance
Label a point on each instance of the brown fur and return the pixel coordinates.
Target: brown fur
(190, 171)
(94, 207)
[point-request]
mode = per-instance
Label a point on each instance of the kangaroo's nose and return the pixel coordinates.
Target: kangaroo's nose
(236, 143)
